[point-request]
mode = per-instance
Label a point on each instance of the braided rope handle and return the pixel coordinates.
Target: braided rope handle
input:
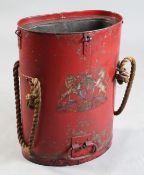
(33, 102)
(123, 77)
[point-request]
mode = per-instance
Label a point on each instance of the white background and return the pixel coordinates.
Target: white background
(126, 156)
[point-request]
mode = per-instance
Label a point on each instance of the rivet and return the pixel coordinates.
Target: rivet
(87, 38)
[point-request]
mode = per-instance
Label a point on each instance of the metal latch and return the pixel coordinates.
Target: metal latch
(18, 33)
(82, 147)
(87, 44)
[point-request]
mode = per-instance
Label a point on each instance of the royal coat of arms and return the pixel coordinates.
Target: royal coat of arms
(83, 92)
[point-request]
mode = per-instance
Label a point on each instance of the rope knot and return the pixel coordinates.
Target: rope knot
(122, 75)
(33, 98)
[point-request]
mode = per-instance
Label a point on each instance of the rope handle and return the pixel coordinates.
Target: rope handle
(33, 102)
(122, 76)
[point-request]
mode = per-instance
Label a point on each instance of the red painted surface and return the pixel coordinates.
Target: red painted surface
(60, 62)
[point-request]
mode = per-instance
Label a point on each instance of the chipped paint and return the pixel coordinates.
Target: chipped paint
(80, 53)
(27, 35)
(103, 138)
